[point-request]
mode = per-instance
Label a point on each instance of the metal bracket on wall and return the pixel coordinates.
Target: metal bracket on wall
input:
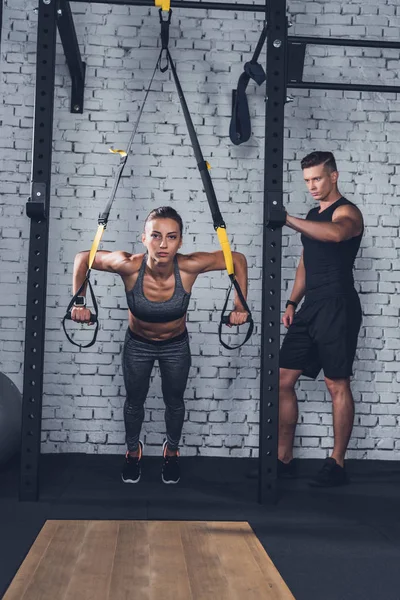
(36, 205)
(77, 68)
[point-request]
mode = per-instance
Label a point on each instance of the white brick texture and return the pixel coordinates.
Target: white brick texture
(83, 390)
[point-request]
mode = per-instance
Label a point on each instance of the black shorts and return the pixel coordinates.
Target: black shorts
(323, 335)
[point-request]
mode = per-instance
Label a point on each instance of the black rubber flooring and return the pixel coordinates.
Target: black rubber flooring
(338, 544)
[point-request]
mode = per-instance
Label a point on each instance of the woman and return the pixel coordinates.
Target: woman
(158, 286)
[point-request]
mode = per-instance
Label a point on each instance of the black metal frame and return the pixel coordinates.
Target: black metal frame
(37, 209)
(285, 61)
(272, 249)
(185, 4)
(297, 48)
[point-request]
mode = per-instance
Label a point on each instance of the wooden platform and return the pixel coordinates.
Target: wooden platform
(147, 560)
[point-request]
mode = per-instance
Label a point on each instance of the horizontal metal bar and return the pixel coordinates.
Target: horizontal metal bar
(349, 87)
(184, 4)
(320, 41)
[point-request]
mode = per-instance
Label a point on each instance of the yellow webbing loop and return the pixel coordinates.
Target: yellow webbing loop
(95, 244)
(208, 165)
(120, 152)
(163, 4)
(226, 249)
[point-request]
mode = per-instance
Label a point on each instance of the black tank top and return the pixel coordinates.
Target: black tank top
(158, 312)
(329, 265)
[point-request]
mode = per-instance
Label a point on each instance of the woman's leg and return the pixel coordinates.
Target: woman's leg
(174, 360)
(138, 361)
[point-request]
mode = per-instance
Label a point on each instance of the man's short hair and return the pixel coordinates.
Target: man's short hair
(319, 158)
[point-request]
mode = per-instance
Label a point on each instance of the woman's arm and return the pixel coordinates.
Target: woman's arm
(204, 262)
(112, 262)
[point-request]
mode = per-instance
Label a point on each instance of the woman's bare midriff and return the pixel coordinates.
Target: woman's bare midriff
(157, 332)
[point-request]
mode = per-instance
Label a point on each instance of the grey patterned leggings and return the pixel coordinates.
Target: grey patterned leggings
(174, 361)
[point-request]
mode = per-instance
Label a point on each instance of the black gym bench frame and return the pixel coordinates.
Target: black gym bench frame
(285, 61)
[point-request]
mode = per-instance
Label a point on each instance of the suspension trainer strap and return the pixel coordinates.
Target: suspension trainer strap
(218, 221)
(165, 23)
(240, 126)
(102, 224)
(225, 319)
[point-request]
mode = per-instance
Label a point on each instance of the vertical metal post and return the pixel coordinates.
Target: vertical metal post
(37, 209)
(272, 247)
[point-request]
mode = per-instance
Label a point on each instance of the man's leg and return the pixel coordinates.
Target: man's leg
(343, 415)
(288, 412)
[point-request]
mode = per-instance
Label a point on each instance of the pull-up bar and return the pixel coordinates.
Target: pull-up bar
(184, 4)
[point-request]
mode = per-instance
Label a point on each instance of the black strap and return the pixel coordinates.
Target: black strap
(103, 220)
(165, 23)
(240, 125)
(211, 197)
(225, 320)
(201, 163)
(93, 317)
(103, 217)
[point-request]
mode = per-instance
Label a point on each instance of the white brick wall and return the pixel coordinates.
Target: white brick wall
(83, 391)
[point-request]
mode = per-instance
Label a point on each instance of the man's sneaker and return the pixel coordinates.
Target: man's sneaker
(132, 467)
(330, 475)
(170, 472)
(287, 470)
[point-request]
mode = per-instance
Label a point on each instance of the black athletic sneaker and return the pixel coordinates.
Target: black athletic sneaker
(287, 470)
(170, 472)
(330, 475)
(132, 468)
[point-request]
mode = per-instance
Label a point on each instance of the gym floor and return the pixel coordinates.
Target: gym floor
(338, 544)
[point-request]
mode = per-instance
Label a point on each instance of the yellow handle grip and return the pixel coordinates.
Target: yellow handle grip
(226, 249)
(95, 244)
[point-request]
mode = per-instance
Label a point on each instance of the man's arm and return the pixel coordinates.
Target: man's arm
(297, 294)
(346, 223)
(299, 286)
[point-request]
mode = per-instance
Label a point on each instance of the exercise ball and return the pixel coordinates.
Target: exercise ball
(10, 418)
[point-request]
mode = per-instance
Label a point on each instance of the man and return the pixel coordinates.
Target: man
(323, 333)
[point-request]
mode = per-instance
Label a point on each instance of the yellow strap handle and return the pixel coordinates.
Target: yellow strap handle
(163, 4)
(95, 244)
(226, 249)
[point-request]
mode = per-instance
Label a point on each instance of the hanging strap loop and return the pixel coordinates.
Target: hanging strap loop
(93, 317)
(240, 125)
(225, 319)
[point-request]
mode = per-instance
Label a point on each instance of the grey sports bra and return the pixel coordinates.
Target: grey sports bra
(158, 312)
